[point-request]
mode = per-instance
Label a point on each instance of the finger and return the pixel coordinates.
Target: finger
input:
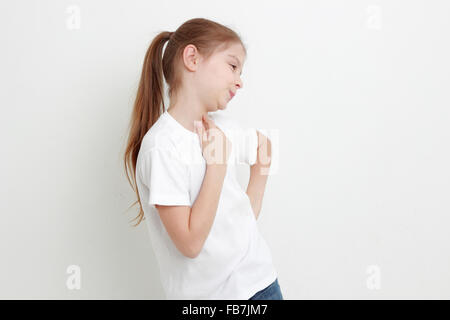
(202, 133)
(205, 130)
(198, 129)
(209, 123)
(205, 135)
(206, 121)
(198, 125)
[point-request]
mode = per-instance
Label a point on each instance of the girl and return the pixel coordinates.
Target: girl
(201, 222)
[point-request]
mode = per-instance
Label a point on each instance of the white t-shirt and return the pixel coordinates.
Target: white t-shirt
(235, 261)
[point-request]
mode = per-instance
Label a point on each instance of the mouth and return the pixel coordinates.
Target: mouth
(231, 94)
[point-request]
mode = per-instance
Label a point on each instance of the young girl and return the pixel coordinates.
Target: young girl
(201, 222)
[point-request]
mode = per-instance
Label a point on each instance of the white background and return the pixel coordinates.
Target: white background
(358, 92)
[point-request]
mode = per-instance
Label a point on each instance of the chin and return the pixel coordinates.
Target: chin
(221, 106)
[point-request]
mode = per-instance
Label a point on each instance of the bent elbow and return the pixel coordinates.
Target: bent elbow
(193, 251)
(193, 254)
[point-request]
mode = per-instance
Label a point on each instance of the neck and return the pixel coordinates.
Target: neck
(186, 115)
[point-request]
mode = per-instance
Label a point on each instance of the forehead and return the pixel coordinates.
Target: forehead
(234, 51)
(235, 57)
(236, 54)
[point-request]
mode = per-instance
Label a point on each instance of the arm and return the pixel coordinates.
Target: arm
(259, 172)
(189, 227)
(205, 206)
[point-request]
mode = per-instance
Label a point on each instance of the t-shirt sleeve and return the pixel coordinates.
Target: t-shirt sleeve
(167, 178)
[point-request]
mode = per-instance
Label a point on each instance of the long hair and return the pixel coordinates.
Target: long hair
(207, 36)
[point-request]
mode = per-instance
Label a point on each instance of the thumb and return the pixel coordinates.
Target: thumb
(207, 124)
(206, 121)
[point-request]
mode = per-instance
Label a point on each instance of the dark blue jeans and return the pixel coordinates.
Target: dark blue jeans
(272, 292)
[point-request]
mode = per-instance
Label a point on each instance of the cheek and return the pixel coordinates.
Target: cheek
(216, 79)
(220, 71)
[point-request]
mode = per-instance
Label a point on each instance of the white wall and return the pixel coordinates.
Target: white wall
(358, 92)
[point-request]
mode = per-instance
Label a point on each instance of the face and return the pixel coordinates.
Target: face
(220, 76)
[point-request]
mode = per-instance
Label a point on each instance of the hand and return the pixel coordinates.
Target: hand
(216, 148)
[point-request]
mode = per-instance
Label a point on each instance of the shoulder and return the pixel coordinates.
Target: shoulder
(158, 143)
(160, 162)
(158, 139)
(162, 136)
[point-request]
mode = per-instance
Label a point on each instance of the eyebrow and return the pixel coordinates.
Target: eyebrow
(239, 62)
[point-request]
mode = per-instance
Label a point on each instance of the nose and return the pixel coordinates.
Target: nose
(239, 84)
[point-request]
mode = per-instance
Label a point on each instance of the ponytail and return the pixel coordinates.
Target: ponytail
(147, 107)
